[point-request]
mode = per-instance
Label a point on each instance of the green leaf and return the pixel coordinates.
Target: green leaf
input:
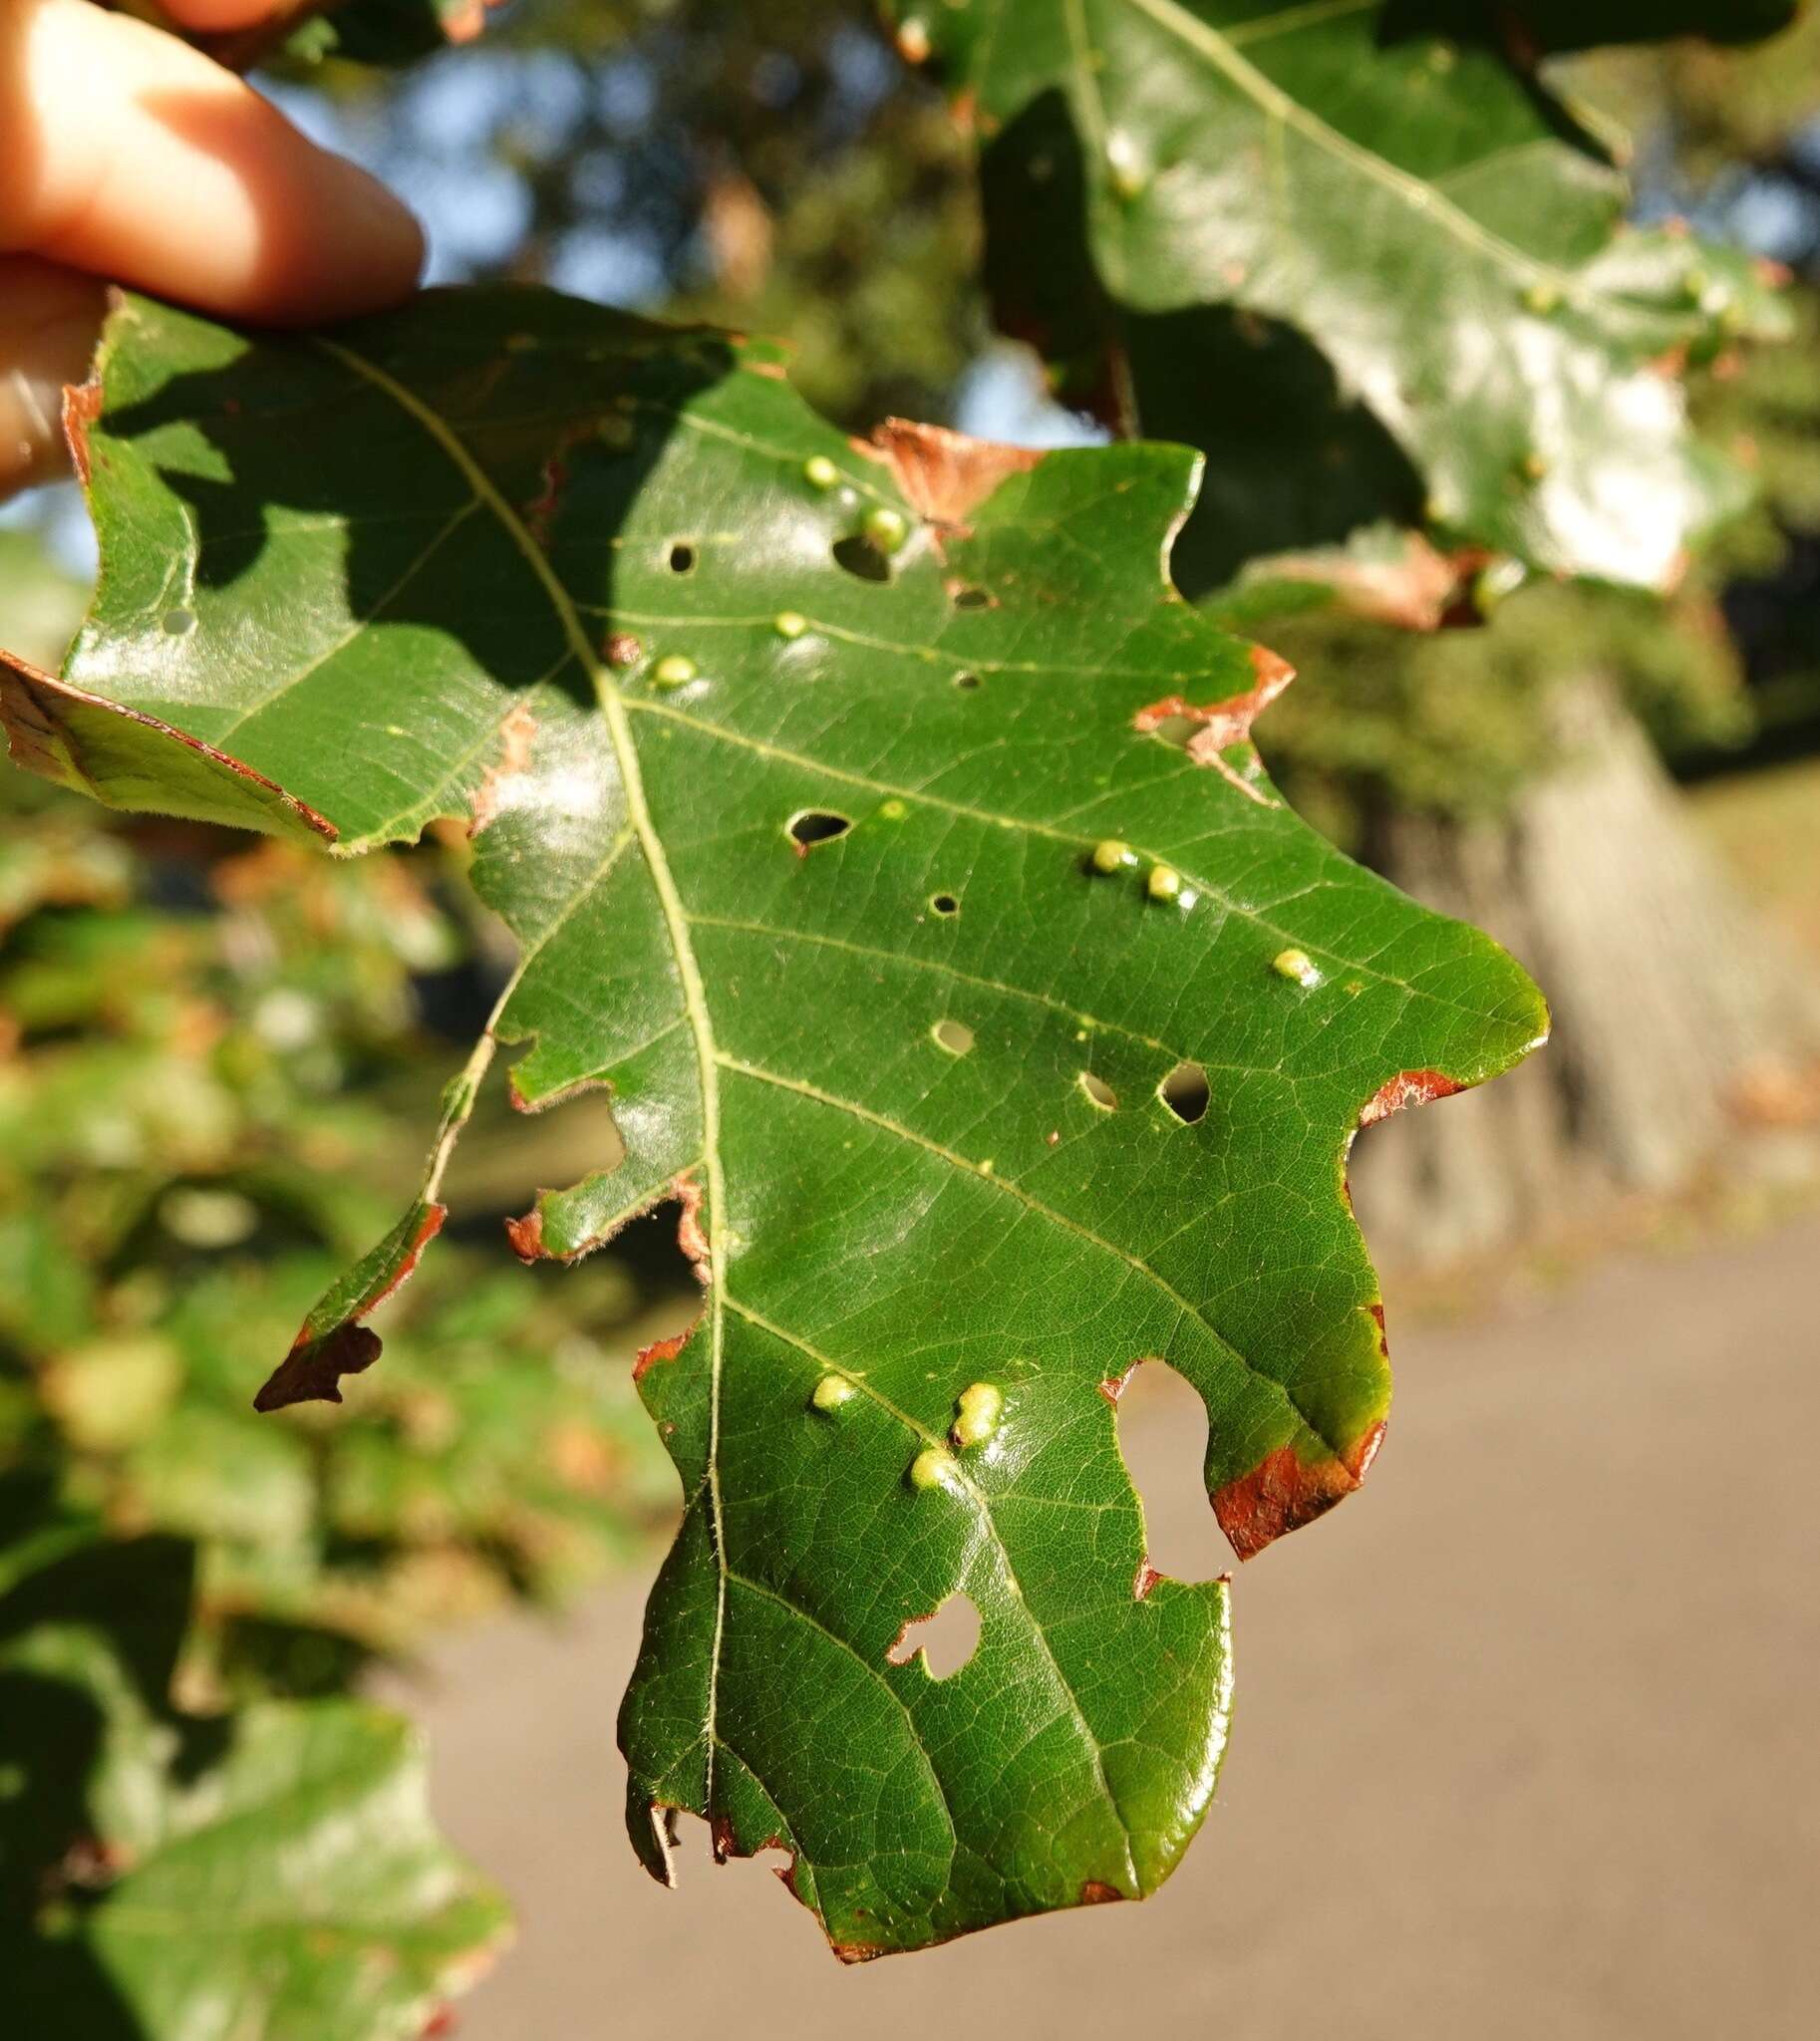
(302, 1884)
(177, 1880)
(1444, 232)
(884, 832)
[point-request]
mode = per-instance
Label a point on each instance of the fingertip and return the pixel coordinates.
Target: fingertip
(171, 174)
(210, 17)
(347, 246)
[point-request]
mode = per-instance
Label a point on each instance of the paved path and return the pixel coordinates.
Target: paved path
(1526, 1742)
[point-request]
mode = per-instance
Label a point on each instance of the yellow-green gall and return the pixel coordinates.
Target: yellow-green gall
(933, 1467)
(887, 528)
(832, 1392)
(789, 624)
(1110, 855)
(820, 473)
(1542, 298)
(1297, 966)
(980, 1405)
(1164, 883)
(674, 670)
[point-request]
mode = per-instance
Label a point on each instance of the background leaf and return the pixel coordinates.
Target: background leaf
(164, 1874)
(1499, 352)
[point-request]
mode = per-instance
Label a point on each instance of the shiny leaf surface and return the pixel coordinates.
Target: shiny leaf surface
(883, 831)
(1502, 356)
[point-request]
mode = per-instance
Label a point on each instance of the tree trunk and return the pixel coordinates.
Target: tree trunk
(1686, 1031)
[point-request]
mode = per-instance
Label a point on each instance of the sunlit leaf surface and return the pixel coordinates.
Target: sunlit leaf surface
(881, 830)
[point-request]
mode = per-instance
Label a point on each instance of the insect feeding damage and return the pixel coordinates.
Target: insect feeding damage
(528, 1244)
(945, 475)
(498, 789)
(1221, 725)
(1409, 1087)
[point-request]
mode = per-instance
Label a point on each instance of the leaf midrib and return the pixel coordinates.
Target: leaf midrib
(982, 1173)
(983, 1504)
(695, 995)
(1420, 198)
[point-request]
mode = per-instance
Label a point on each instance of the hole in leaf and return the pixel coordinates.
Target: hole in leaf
(955, 1036)
(1100, 1091)
(1162, 1438)
(859, 556)
(681, 557)
(1184, 1093)
(1175, 729)
(966, 680)
(817, 825)
(945, 903)
(947, 1639)
(969, 597)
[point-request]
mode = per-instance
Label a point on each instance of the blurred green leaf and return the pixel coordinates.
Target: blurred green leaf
(1421, 209)
(165, 1877)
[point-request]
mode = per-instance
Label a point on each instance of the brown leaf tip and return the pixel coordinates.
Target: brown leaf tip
(310, 1372)
(526, 1236)
(1283, 1492)
(1418, 590)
